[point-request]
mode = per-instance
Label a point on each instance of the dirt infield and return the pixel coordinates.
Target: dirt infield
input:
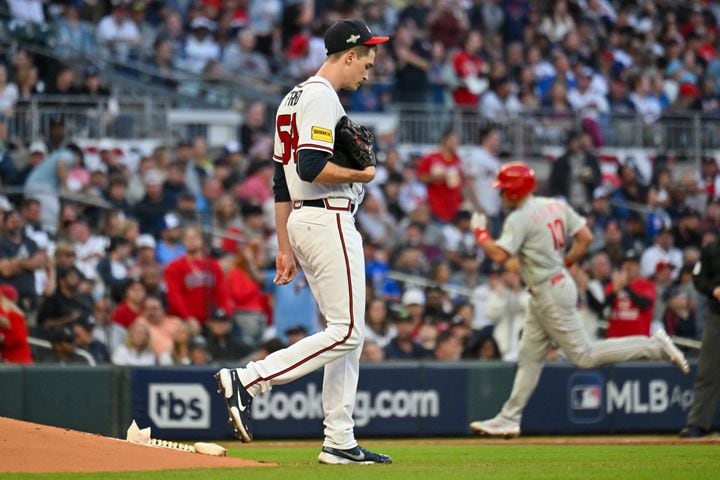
(30, 448)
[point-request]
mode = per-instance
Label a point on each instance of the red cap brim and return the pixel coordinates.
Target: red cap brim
(376, 40)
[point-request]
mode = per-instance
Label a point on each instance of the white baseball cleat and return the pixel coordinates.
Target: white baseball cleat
(674, 353)
(496, 427)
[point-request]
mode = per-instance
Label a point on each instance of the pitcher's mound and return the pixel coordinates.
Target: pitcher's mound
(29, 447)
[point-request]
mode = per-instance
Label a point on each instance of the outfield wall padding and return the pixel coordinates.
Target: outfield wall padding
(11, 391)
(401, 399)
(78, 397)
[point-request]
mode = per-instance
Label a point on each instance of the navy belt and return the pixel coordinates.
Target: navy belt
(324, 203)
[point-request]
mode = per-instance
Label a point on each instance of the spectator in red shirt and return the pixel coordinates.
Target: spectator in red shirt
(442, 172)
(14, 347)
(696, 25)
(469, 67)
(195, 283)
(131, 306)
(447, 23)
(631, 299)
(245, 279)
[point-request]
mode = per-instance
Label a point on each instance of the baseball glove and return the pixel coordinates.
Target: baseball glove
(353, 145)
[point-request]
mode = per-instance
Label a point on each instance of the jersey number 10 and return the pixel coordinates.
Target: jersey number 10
(288, 134)
(557, 229)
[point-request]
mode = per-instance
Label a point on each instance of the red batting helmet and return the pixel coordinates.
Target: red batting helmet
(517, 179)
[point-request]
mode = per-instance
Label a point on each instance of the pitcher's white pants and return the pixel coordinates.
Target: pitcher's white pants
(329, 249)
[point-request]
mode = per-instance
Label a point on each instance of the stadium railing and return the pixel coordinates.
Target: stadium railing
(40, 344)
(530, 133)
(531, 136)
(91, 117)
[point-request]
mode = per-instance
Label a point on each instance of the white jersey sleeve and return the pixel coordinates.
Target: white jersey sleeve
(316, 124)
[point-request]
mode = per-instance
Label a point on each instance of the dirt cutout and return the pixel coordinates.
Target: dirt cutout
(32, 448)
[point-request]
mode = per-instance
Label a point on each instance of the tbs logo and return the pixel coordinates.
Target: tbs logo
(179, 405)
(586, 394)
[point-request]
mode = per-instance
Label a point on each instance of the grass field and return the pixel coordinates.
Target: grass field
(456, 459)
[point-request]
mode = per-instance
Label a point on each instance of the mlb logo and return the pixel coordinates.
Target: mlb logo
(586, 397)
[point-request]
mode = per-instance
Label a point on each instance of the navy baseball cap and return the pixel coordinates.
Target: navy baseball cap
(349, 33)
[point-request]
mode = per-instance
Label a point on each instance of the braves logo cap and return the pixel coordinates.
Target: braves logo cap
(349, 33)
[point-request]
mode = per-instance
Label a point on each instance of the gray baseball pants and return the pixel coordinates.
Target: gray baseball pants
(552, 317)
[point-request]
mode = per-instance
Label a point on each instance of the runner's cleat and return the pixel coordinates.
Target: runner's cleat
(496, 427)
(674, 353)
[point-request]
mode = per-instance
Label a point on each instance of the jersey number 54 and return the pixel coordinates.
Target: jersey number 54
(288, 134)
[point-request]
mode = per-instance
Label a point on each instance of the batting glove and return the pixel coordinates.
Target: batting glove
(478, 223)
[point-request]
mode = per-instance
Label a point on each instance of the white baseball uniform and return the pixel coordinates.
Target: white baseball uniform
(538, 231)
(329, 249)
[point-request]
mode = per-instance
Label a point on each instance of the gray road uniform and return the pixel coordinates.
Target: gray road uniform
(538, 232)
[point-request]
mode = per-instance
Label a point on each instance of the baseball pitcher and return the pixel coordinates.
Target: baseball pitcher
(322, 161)
(538, 230)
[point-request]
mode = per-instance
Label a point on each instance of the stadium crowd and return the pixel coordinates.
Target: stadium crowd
(595, 58)
(167, 257)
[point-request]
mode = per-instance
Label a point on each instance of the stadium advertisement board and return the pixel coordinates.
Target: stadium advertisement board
(393, 400)
(634, 397)
(178, 403)
(425, 399)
